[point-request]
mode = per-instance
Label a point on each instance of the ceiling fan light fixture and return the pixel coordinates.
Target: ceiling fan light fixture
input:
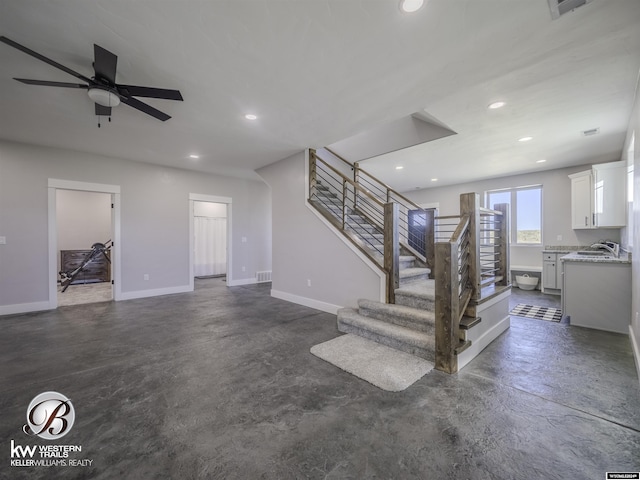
(104, 97)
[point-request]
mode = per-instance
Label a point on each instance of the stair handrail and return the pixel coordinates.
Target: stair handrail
(421, 247)
(389, 190)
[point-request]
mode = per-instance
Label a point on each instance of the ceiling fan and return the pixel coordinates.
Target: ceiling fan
(102, 87)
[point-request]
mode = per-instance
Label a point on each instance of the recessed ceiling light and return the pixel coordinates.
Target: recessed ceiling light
(495, 105)
(525, 139)
(541, 161)
(434, 179)
(250, 116)
(410, 6)
(399, 167)
(193, 155)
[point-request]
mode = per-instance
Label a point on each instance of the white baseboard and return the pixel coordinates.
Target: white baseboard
(25, 308)
(636, 350)
(307, 302)
(483, 342)
(242, 281)
(156, 292)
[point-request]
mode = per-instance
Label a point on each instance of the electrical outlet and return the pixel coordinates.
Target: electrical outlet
(244, 239)
(3, 240)
(244, 269)
(146, 276)
(308, 282)
(559, 238)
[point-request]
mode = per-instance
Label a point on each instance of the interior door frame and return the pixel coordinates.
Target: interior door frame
(55, 184)
(197, 197)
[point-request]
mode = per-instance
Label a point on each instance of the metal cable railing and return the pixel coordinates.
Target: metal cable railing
(351, 208)
(414, 222)
(491, 251)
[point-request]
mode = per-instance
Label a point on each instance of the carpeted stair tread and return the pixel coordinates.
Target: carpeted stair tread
(405, 339)
(420, 294)
(423, 320)
(413, 272)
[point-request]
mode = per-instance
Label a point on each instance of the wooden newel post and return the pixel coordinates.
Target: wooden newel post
(312, 172)
(470, 205)
(391, 250)
(447, 328)
(504, 270)
(429, 240)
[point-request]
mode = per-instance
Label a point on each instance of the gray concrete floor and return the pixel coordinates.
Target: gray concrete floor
(219, 383)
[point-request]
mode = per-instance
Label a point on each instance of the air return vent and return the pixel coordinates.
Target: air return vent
(560, 7)
(262, 277)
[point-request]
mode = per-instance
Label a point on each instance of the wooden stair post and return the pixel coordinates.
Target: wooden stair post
(503, 249)
(470, 205)
(447, 328)
(391, 250)
(429, 240)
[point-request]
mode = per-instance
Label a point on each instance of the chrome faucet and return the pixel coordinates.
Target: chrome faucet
(615, 250)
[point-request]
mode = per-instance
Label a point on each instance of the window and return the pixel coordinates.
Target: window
(525, 210)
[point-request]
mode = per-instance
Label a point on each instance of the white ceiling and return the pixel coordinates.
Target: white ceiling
(319, 71)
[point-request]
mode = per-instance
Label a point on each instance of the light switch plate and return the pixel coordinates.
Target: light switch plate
(3, 240)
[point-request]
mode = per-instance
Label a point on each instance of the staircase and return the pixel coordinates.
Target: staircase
(422, 316)
(408, 325)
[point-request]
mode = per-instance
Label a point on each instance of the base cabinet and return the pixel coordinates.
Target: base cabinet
(552, 272)
(597, 295)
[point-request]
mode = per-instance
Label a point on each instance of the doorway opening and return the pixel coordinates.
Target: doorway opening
(84, 243)
(84, 227)
(210, 239)
(210, 233)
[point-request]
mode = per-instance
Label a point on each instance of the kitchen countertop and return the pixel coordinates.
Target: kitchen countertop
(607, 258)
(563, 248)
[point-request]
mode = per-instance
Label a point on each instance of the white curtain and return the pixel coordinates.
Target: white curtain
(210, 252)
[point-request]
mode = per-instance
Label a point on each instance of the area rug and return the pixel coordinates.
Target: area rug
(540, 313)
(382, 366)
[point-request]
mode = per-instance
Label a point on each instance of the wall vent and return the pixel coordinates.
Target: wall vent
(593, 131)
(262, 277)
(560, 7)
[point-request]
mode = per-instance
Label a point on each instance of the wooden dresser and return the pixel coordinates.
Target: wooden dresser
(99, 270)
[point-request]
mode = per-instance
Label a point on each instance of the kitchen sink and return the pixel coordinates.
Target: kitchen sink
(594, 254)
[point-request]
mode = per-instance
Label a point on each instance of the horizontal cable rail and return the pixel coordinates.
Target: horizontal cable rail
(414, 222)
(339, 195)
(493, 245)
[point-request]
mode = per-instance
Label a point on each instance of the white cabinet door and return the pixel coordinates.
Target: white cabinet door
(582, 200)
(610, 205)
(549, 275)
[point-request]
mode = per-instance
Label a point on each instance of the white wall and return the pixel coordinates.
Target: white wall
(154, 219)
(304, 248)
(82, 218)
(634, 129)
(556, 209)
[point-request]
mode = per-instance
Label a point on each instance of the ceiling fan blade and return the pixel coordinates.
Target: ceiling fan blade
(46, 83)
(28, 51)
(143, 107)
(137, 91)
(105, 64)
(101, 110)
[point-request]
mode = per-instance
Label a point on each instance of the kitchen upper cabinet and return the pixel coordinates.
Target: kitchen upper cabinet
(582, 200)
(610, 194)
(598, 197)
